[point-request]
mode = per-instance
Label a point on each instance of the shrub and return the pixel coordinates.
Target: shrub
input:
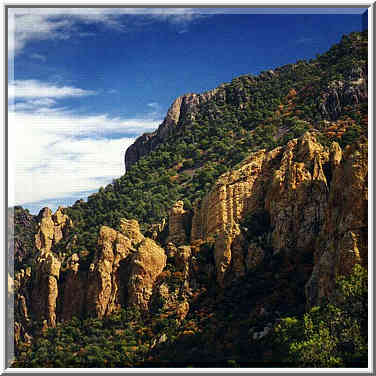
(333, 334)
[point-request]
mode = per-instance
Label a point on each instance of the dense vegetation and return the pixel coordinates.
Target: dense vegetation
(218, 332)
(332, 335)
(22, 227)
(223, 328)
(247, 114)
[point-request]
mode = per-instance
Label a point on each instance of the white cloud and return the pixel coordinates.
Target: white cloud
(53, 152)
(28, 24)
(38, 57)
(34, 104)
(38, 89)
(61, 154)
(154, 105)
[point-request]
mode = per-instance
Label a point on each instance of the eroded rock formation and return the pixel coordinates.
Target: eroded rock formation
(103, 294)
(316, 198)
(122, 273)
(51, 228)
(342, 241)
(340, 93)
(46, 268)
(184, 107)
(176, 224)
(145, 266)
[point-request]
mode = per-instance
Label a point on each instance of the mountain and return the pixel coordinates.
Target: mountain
(236, 237)
(21, 230)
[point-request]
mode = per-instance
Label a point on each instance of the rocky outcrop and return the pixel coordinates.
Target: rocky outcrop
(45, 235)
(184, 108)
(122, 273)
(131, 229)
(61, 224)
(74, 288)
(46, 267)
(219, 214)
(176, 224)
(316, 198)
(297, 195)
(234, 194)
(340, 93)
(103, 295)
(145, 266)
(171, 289)
(182, 258)
(21, 294)
(51, 228)
(342, 241)
(46, 270)
(20, 243)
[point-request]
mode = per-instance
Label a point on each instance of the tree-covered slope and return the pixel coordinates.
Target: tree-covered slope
(327, 94)
(252, 202)
(22, 227)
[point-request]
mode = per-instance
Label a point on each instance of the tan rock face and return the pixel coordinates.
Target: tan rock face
(61, 222)
(123, 271)
(297, 196)
(103, 295)
(316, 198)
(235, 194)
(182, 310)
(145, 266)
(335, 155)
(231, 197)
(131, 229)
(182, 258)
(342, 241)
(108, 283)
(176, 219)
(74, 290)
(45, 292)
(45, 287)
(222, 256)
(45, 235)
(51, 228)
(21, 296)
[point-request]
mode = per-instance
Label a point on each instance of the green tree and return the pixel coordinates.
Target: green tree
(333, 334)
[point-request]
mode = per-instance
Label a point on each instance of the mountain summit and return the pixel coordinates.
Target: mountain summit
(237, 236)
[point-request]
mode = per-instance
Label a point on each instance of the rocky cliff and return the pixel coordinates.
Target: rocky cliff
(253, 202)
(56, 288)
(184, 108)
(316, 199)
(22, 227)
(347, 92)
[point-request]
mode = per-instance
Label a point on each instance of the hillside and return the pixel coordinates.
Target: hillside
(245, 210)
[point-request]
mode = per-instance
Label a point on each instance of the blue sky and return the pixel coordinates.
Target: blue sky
(85, 82)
